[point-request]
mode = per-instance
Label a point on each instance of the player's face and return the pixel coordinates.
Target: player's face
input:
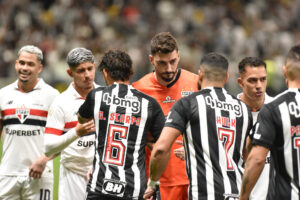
(254, 82)
(165, 65)
(28, 68)
(84, 75)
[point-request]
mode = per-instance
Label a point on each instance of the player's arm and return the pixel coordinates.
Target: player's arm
(37, 167)
(254, 165)
(56, 143)
(160, 157)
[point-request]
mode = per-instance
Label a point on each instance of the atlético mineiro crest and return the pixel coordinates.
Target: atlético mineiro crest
(22, 113)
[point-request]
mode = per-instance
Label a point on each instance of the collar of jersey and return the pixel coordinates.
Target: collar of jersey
(36, 87)
(76, 94)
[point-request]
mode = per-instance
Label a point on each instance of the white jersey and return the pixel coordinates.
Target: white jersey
(23, 118)
(78, 156)
(260, 190)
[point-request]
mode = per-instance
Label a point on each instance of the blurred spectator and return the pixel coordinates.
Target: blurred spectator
(234, 28)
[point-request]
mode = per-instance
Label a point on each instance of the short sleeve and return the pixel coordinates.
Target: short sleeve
(158, 121)
(86, 110)
(177, 117)
(264, 131)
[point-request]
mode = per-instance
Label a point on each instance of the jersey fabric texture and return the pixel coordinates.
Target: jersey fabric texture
(123, 116)
(214, 125)
(78, 156)
(278, 129)
(23, 118)
(264, 187)
(185, 84)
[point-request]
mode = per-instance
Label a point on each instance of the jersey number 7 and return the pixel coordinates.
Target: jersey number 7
(115, 149)
(227, 137)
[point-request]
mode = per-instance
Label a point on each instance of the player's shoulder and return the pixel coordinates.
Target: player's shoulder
(284, 96)
(188, 75)
(142, 81)
(141, 94)
(47, 88)
(7, 88)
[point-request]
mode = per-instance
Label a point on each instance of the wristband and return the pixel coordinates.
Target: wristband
(153, 184)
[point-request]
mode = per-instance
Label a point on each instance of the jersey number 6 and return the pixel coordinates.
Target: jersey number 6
(115, 149)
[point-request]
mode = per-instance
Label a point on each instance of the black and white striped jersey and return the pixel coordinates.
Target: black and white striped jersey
(278, 129)
(214, 126)
(123, 117)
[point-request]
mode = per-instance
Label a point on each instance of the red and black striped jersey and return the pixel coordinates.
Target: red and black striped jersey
(123, 116)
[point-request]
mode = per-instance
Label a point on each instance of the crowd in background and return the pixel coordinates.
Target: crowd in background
(235, 28)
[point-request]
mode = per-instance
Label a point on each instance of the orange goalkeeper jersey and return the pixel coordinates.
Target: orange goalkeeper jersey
(185, 83)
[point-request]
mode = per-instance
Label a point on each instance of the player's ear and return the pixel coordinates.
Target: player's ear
(151, 59)
(200, 76)
(284, 71)
(240, 82)
(226, 78)
(69, 71)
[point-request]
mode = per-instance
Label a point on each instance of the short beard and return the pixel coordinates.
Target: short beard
(168, 79)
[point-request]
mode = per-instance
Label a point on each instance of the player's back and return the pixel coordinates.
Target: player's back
(123, 116)
(282, 116)
(216, 127)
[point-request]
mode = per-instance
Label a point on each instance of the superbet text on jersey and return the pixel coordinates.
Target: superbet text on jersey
(24, 118)
(123, 117)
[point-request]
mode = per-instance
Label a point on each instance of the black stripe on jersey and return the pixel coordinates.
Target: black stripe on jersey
(32, 122)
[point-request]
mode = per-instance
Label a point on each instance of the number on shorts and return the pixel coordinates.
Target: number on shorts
(115, 149)
(45, 194)
(227, 137)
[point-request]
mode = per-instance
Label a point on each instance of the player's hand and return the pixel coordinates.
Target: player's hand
(149, 193)
(85, 128)
(37, 167)
(89, 174)
(179, 153)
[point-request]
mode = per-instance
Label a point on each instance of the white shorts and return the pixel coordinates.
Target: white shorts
(26, 188)
(71, 185)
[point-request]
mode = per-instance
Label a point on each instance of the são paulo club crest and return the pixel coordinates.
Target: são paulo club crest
(22, 113)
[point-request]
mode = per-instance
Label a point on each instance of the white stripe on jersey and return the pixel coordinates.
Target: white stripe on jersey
(285, 116)
(295, 192)
(112, 109)
(205, 145)
(192, 158)
(135, 168)
(98, 97)
(222, 153)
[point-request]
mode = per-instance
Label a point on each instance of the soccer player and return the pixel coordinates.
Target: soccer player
(167, 84)
(123, 116)
(253, 81)
(76, 156)
(214, 125)
(24, 104)
(277, 130)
